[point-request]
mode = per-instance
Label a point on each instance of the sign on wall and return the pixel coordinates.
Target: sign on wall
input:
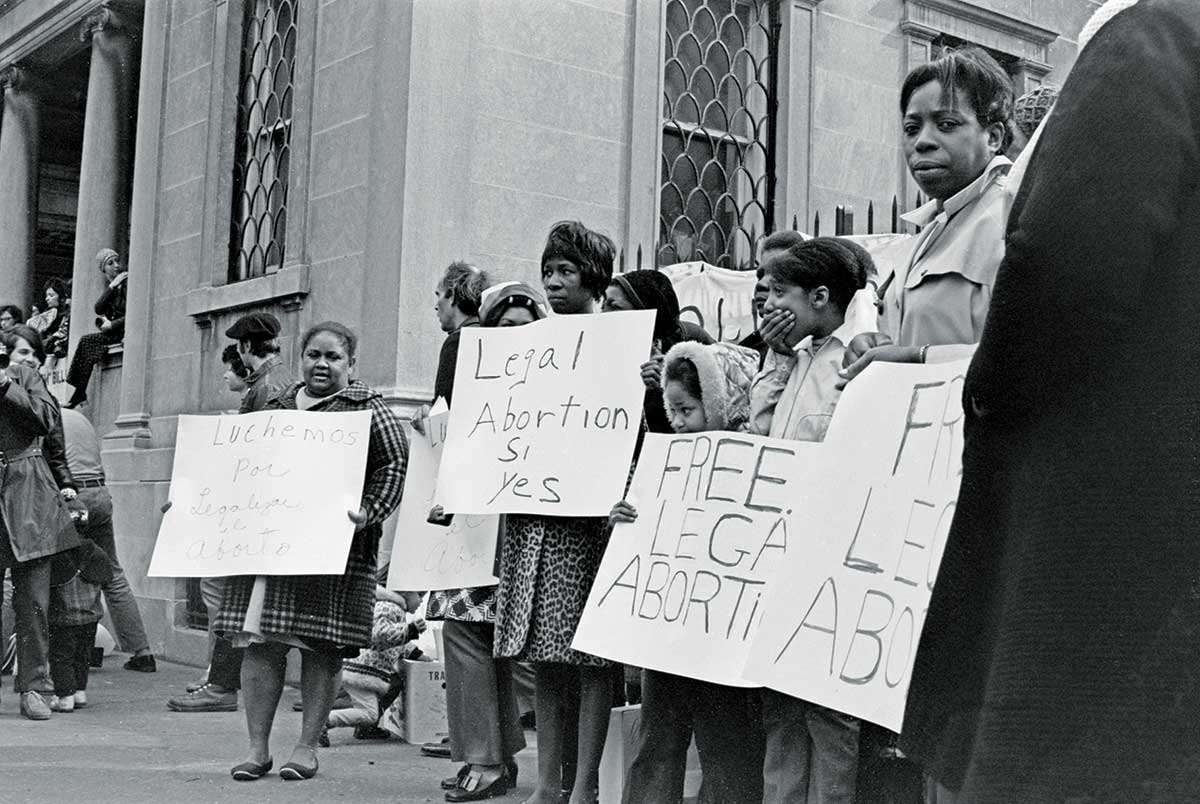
(263, 494)
(545, 416)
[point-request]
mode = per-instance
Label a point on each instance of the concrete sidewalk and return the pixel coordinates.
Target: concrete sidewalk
(126, 746)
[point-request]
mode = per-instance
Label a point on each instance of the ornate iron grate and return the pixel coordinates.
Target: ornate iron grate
(718, 171)
(263, 136)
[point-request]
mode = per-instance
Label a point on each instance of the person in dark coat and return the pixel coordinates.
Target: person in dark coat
(652, 290)
(34, 525)
(110, 323)
(1060, 659)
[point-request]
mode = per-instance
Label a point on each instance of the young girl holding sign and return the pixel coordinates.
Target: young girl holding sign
(706, 387)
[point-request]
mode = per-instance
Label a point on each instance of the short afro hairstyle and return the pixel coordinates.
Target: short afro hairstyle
(972, 73)
(592, 252)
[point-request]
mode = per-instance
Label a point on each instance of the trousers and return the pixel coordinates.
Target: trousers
(729, 738)
(118, 596)
(812, 752)
(481, 706)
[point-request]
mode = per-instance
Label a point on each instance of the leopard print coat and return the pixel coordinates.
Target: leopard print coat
(547, 566)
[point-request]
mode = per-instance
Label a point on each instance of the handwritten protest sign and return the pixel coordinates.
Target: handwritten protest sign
(843, 630)
(681, 589)
(545, 416)
(436, 556)
(263, 494)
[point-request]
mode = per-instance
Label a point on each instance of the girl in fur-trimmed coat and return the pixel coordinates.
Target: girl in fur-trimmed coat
(705, 387)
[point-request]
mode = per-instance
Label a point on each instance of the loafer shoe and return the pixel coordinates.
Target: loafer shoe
(206, 699)
(34, 707)
(295, 772)
(249, 771)
(142, 664)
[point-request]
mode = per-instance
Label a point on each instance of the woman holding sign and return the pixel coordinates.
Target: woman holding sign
(548, 564)
(328, 617)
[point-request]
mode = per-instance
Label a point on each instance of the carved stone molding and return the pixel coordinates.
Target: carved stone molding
(15, 77)
(105, 18)
(968, 21)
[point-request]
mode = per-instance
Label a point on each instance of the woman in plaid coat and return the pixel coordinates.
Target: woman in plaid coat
(328, 617)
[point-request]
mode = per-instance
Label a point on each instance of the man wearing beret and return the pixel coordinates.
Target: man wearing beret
(256, 335)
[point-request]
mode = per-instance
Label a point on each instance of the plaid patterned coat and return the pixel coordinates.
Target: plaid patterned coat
(334, 610)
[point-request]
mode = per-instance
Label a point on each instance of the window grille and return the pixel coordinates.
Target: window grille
(263, 136)
(718, 171)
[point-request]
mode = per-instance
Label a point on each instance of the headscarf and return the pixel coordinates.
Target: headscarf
(500, 297)
(652, 290)
(103, 256)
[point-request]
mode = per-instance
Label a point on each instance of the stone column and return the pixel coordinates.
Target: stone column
(19, 131)
(103, 214)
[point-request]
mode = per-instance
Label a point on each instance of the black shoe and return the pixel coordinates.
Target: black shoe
(469, 790)
(249, 771)
(142, 664)
(454, 781)
(437, 750)
(371, 733)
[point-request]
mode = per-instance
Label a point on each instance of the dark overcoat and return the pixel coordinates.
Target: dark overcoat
(1061, 654)
(32, 512)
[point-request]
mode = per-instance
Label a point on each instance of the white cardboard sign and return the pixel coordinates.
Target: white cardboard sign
(546, 415)
(263, 494)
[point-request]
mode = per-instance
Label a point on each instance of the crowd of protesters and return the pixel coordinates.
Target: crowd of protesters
(1060, 649)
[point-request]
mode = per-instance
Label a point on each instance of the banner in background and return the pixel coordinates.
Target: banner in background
(263, 494)
(722, 300)
(545, 416)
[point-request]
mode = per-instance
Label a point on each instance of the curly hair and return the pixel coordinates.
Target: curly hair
(338, 330)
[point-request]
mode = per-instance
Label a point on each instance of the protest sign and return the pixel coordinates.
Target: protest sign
(431, 556)
(722, 300)
(843, 630)
(681, 589)
(546, 415)
(263, 494)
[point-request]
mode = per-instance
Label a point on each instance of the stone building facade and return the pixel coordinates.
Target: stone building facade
(324, 159)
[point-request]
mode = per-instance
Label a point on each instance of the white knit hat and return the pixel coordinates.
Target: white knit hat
(1103, 14)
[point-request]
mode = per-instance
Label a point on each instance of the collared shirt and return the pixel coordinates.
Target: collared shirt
(942, 295)
(261, 389)
(794, 397)
(83, 446)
